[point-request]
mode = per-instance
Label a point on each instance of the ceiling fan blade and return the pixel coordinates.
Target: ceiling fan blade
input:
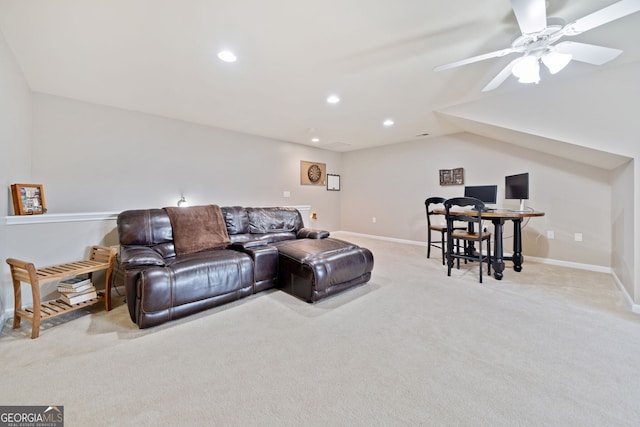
(495, 54)
(589, 53)
(501, 77)
(603, 16)
(531, 15)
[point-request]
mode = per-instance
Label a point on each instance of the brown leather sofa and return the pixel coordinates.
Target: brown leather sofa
(162, 283)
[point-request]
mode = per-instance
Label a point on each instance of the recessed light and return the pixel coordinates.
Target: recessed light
(316, 139)
(227, 56)
(333, 99)
(388, 123)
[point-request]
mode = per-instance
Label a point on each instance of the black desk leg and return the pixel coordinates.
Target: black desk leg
(517, 244)
(498, 250)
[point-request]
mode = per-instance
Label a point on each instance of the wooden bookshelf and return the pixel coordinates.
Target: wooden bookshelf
(101, 258)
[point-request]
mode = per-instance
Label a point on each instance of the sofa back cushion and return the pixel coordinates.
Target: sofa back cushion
(236, 219)
(269, 220)
(146, 227)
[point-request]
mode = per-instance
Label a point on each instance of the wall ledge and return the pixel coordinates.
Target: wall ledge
(94, 216)
(61, 217)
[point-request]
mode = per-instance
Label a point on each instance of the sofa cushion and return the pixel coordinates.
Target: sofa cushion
(146, 227)
(310, 233)
(189, 284)
(265, 238)
(237, 219)
(268, 220)
(194, 277)
(140, 256)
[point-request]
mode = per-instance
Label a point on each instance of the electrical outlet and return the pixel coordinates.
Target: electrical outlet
(578, 237)
(373, 219)
(551, 235)
(286, 194)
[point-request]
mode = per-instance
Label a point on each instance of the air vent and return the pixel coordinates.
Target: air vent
(336, 145)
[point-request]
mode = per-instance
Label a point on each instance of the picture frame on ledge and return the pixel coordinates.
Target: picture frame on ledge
(28, 199)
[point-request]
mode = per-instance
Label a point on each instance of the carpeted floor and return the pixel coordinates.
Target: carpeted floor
(548, 346)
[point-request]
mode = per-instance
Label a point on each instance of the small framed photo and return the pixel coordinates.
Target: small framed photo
(333, 182)
(28, 199)
(452, 176)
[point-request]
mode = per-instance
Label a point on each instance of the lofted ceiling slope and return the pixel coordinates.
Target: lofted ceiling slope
(159, 57)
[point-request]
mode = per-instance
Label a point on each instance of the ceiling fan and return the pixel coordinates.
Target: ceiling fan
(538, 38)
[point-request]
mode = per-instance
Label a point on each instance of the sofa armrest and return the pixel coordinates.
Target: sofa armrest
(310, 233)
(139, 256)
(247, 245)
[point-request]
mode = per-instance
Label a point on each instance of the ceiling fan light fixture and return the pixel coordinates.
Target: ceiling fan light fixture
(539, 33)
(556, 61)
(527, 70)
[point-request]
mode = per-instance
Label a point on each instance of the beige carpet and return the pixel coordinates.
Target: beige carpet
(548, 346)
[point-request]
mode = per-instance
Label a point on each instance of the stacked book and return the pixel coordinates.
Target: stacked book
(75, 290)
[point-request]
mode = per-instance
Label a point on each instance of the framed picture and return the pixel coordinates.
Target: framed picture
(452, 176)
(312, 173)
(333, 182)
(28, 199)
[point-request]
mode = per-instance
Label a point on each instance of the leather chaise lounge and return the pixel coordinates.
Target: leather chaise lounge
(180, 261)
(313, 269)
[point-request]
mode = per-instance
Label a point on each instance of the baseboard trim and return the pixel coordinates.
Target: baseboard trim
(388, 239)
(634, 307)
(578, 266)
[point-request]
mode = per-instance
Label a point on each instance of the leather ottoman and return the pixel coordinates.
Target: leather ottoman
(313, 269)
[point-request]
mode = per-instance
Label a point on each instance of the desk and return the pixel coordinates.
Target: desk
(498, 217)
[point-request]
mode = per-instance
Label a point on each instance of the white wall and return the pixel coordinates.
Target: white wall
(392, 182)
(15, 146)
(622, 222)
(97, 158)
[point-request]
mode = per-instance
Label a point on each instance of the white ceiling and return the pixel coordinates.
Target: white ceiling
(159, 57)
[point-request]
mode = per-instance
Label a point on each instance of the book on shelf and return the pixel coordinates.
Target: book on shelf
(73, 291)
(76, 298)
(74, 282)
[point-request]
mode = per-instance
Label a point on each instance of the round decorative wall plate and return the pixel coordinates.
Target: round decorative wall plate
(314, 173)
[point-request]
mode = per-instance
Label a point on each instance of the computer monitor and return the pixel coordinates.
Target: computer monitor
(517, 187)
(487, 193)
